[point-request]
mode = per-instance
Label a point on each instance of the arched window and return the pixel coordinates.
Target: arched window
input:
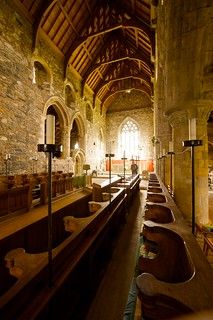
(74, 136)
(69, 97)
(129, 139)
(41, 76)
(58, 133)
(89, 114)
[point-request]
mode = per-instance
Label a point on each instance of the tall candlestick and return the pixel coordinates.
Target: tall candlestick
(50, 129)
(171, 146)
(192, 129)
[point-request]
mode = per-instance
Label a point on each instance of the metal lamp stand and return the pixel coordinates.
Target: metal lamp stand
(171, 153)
(124, 159)
(192, 144)
(51, 149)
(110, 156)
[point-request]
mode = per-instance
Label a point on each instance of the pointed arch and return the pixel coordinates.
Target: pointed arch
(60, 109)
(56, 106)
(69, 94)
(77, 120)
(128, 137)
(42, 74)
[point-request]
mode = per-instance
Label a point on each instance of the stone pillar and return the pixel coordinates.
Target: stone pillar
(66, 142)
(201, 169)
(182, 163)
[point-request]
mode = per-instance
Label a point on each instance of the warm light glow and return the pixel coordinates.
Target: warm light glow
(171, 146)
(50, 129)
(192, 129)
(129, 138)
(76, 146)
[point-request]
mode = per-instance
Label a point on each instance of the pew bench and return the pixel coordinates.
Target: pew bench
(207, 244)
(162, 292)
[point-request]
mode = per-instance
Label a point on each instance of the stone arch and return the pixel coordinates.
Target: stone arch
(77, 120)
(69, 95)
(78, 161)
(56, 106)
(42, 76)
(89, 113)
(60, 107)
(119, 132)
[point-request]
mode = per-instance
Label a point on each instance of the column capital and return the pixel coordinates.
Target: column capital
(177, 117)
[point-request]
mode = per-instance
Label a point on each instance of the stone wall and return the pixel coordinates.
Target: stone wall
(184, 87)
(23, 103)
(143, 118)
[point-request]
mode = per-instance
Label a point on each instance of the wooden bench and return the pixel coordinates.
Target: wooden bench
(208, 243)
(158, 213)
(179, 279)
(172, 262)
(77, 264)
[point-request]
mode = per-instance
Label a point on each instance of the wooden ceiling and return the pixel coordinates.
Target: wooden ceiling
(109, 43)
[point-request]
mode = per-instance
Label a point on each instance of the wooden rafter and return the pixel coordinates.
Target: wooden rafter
(110, 94)
(97, 66)
(104, 83)
(130, 23)
(104, 41)
(46, 7)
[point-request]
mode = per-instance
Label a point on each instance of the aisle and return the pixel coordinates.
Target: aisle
(110, 300)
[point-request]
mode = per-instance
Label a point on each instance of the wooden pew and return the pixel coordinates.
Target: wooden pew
(172, 262)
(158, 213)
(131, 185)
(77, 260)
(179, 279)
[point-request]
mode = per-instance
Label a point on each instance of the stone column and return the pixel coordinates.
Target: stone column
(66, 142)
(182, 162)
(201, 168)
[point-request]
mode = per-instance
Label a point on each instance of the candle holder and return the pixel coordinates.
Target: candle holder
(110, 156)
(164, 167)
(192, 143)
(51, 149)
(7, 166)
(124, 159)
(34, 164)
(171, 153)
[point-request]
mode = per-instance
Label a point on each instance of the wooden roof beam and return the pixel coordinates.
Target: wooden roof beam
(42, 13)
(127, 24)
(104, 83)
(98, 65)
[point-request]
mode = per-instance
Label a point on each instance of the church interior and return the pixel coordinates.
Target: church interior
(106, 159)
